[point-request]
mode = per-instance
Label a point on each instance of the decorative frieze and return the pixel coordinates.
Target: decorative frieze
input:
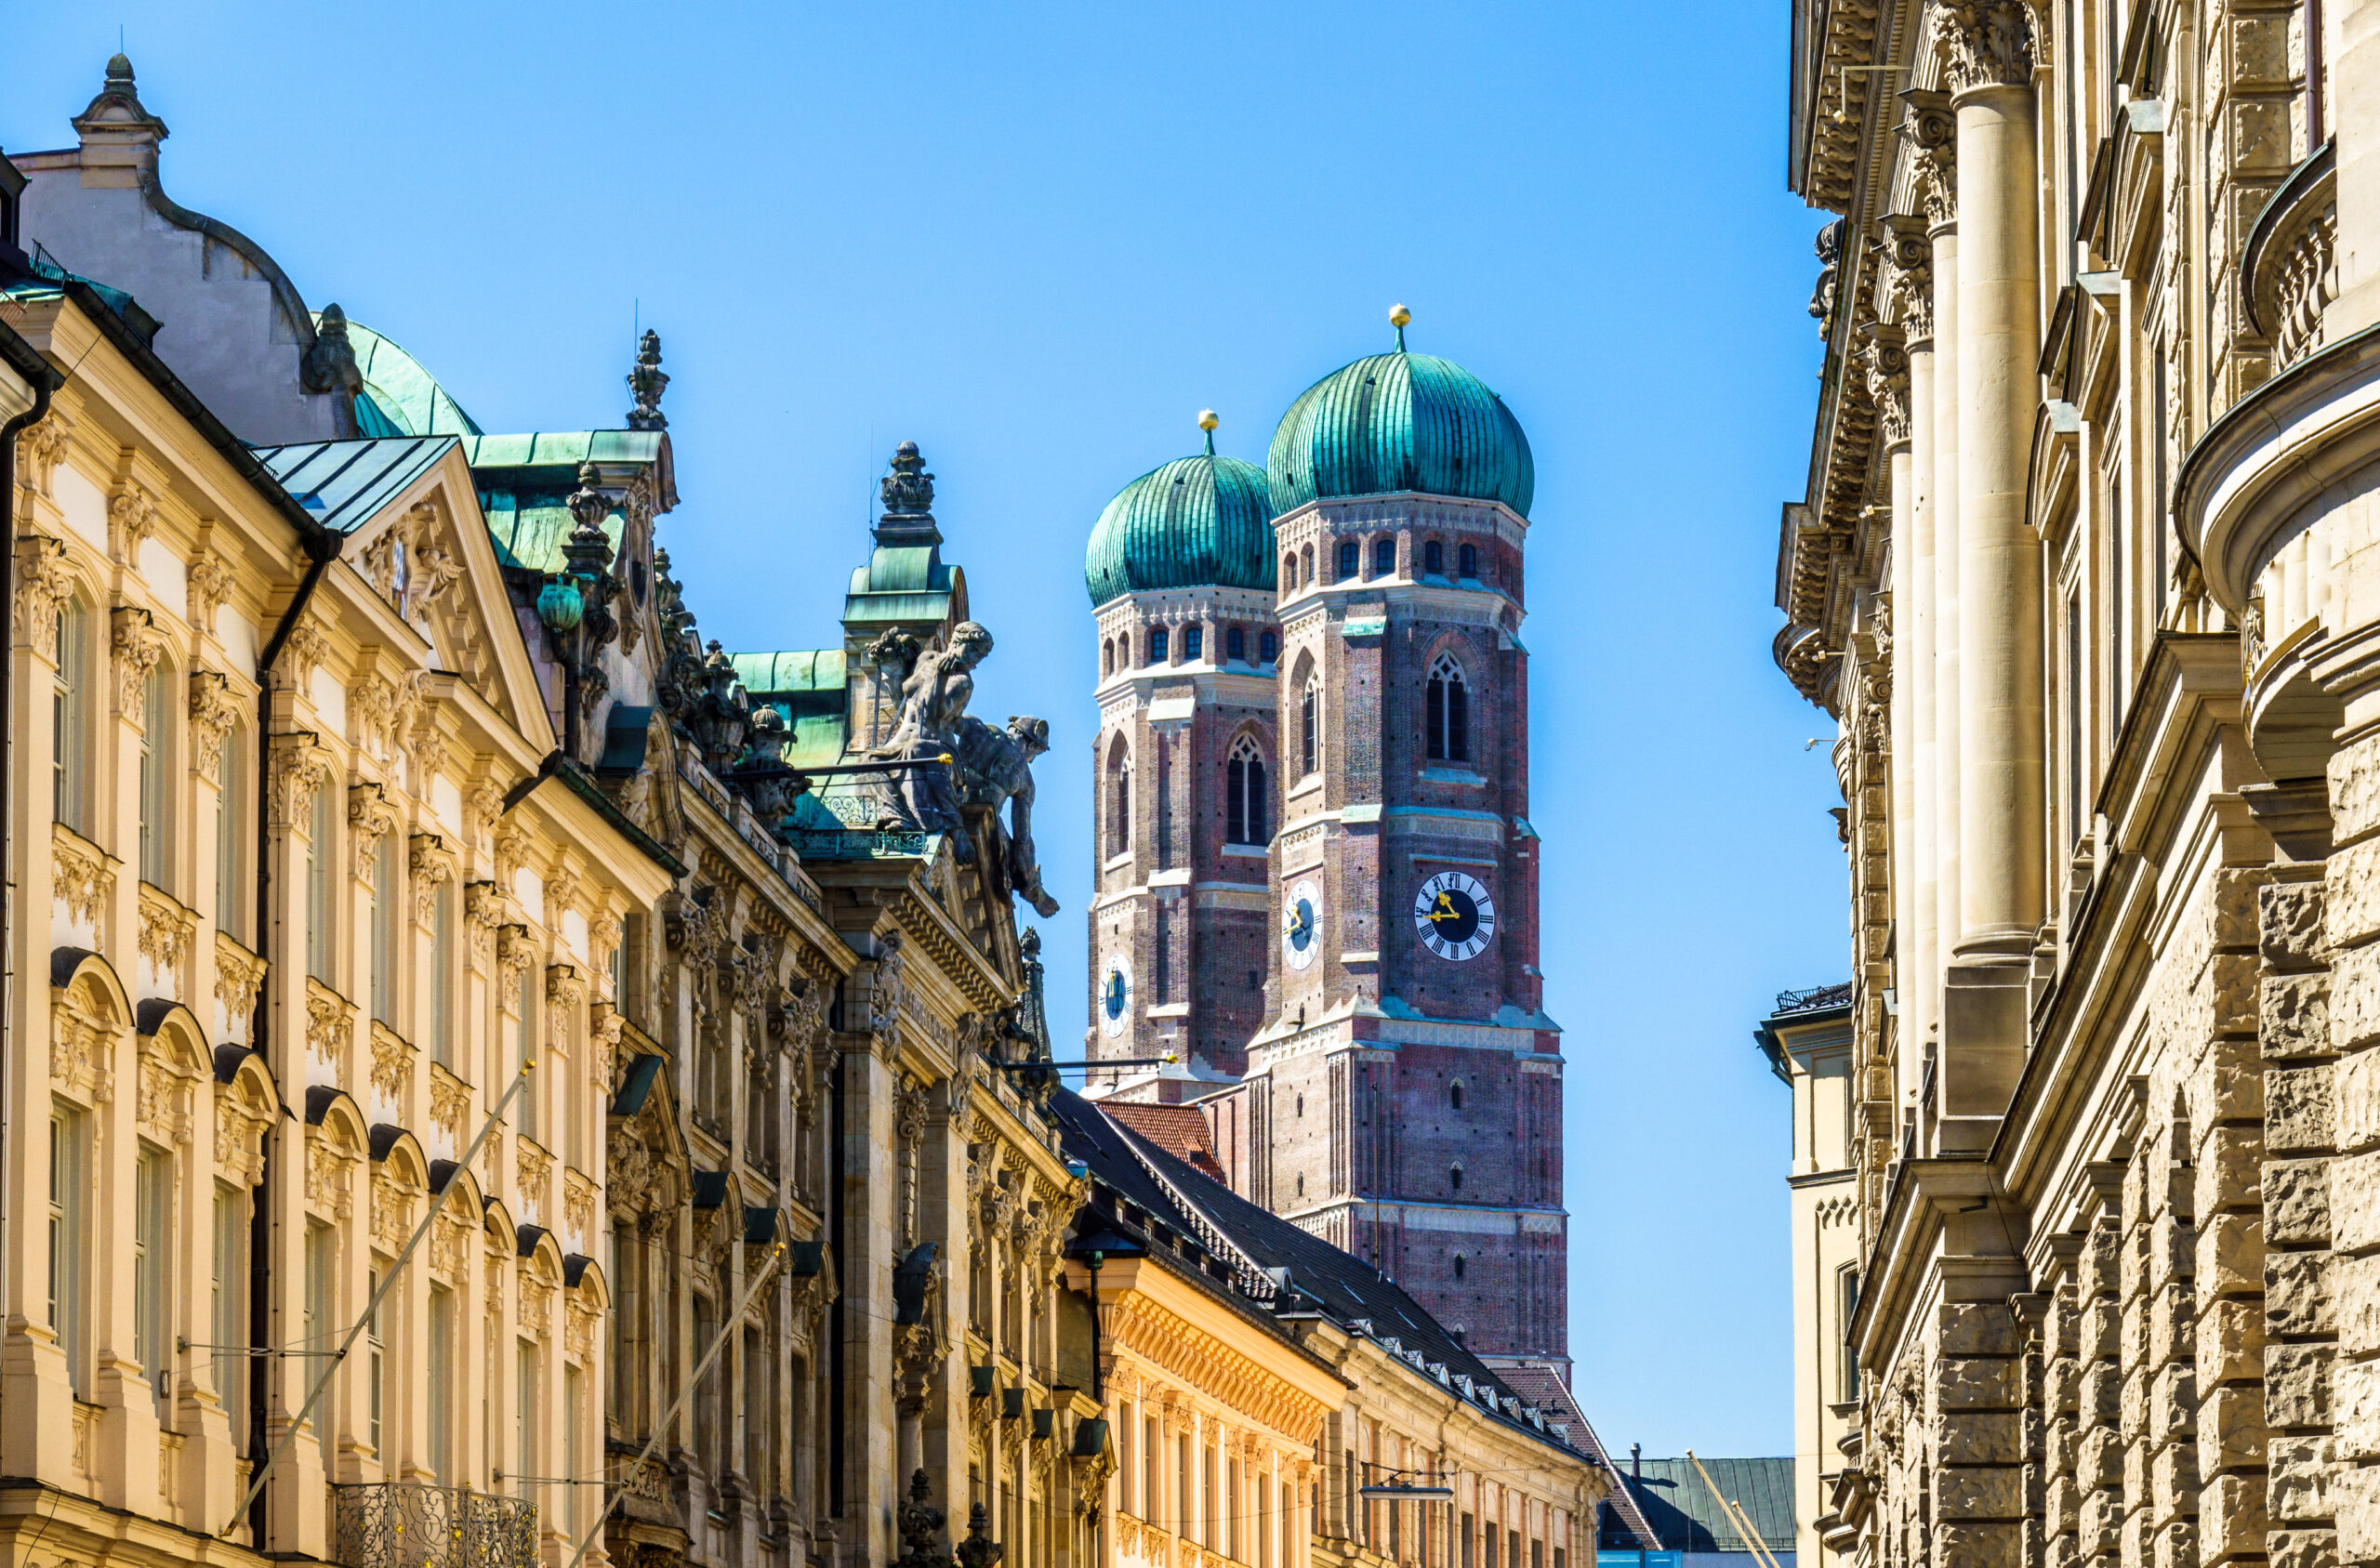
(82, 1051)
(328, 1168)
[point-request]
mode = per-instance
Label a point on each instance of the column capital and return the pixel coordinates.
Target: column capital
(1990, 42)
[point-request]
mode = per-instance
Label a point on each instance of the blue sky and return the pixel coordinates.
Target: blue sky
(1037, 240)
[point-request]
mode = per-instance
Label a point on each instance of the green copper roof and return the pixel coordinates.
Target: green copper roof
(398, 396)
(1395, 422)
(1196, 522)
(806, 687)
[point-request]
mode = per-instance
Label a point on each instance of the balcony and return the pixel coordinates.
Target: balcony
(2287, 268)
(400, 1524)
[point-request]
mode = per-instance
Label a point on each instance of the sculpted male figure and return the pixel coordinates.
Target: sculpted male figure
(933, 699)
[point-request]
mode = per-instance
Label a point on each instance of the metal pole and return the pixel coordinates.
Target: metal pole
(727, 1326)
(1752, 1538)
(437, 1203)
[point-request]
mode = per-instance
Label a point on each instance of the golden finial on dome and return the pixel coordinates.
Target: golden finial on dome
(1398, 316)
(1207, 422)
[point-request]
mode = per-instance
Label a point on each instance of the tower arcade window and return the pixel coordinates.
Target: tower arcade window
(1305, 557)
(1454, 1095)
(1119, 799)
(1268, 647)
(1350, 558)
(1384, 556)
(1236, 643)
(1433, 559)
(1157, 646)
(1289, 574)
(1107, 657)
(1454, 1179)
(1446, 712)
(1467, 560)
(1243, 794)
(1194, 641)
(1458, 1274)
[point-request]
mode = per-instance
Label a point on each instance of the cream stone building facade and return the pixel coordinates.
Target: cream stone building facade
(2083, 569)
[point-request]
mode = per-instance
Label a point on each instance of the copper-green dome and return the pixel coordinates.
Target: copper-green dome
(1202, 521)
(1395, 422)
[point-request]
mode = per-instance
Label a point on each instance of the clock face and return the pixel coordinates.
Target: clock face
(1116, 997)
(1301, 924)
(1454, 917)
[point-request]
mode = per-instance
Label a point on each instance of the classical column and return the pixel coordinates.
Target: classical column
(1914, 870)
(1935, 138)
(1999, 565)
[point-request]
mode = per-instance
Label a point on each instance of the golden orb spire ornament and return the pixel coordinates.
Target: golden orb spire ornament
(1207, 422)
(1398, 316)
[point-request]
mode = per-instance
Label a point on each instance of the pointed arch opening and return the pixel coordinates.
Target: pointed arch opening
(1244, 797)
(1445, 712)
(1119, 798)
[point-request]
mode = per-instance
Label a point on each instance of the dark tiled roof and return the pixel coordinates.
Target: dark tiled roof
(1541, 1386)
(1687, 1518)
(1295, 1264)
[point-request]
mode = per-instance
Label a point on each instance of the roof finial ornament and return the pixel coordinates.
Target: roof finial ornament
(647, 381)
(1398, 316)
(1207, 422)
(908, 489)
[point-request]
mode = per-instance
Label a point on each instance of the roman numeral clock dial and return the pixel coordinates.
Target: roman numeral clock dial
(1454, 916)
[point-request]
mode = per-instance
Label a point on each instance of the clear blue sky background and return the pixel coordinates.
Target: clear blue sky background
(1037, 240)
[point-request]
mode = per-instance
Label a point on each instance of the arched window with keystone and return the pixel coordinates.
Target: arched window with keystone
(1445, 712)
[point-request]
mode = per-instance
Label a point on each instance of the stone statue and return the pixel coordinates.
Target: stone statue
(934, 694)
(997, 765)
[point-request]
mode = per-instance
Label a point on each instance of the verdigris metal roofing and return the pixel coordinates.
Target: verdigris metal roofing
(1682, 1511)
(1197, 522)
(407, 398)
(525, 481)
(806, 687)
(343, 483)
(1399, 422)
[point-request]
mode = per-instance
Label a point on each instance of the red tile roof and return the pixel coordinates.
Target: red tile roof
(1180, 1130)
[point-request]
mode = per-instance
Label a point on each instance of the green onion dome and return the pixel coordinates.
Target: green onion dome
(1197, 522)
(1400, 421)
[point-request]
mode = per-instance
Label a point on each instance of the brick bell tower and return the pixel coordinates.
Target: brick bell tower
(1404, 1096)
(1185, 774)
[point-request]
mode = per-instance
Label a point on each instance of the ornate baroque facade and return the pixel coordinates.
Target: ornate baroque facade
(2082, 569)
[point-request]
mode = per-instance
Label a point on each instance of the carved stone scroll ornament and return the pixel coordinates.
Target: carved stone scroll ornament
(40, 448)
(604, 1027)
(42, 586)
(483, 912)
(431, 870)
(210, 588)
(369, 816)
(304, 650)
(137, 645)
(1989, 42)
(213, 708)
(1885, 362)
(132, 517)
(300, 765)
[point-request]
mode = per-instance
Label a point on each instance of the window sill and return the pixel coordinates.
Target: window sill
(1439, 773)
(1118, 862)
(1250, 851)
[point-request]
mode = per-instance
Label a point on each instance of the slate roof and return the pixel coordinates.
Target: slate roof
(343, 485)
(1299, 1271)
(1542, 1387)
(1687, 1518)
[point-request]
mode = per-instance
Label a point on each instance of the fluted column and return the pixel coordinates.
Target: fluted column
(1999, 564)
(1936, 140)
(1915, 876)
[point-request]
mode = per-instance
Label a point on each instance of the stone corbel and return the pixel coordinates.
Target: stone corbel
(433, 868)
(1885, 361)
(42, 585)
(300, 765)
(369, 817)
(132, 517)
(40, 448)
(210, 588)
(213, 708)
(303, 651)
(137, 645)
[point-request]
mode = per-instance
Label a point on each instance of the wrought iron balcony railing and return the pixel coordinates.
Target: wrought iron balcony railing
(400, 1525)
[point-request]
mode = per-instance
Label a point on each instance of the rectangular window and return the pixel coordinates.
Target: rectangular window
(574, 1397)
(226, 837)
(1231, 1510)
(387, 926)
(705, 1389)
(440, 1412)
(153, 1178)
(376, 1367)
(1194, 641)
(1182, 1493)
(524, 1416)
(1537, 1554)
(1847, 1358)
(1152, 1481)
(2073, 719)
(66, 1241)
(2119, 667)
(155, 783)
(1470, 1548)
(318, 887)
(1493, 1536)
(441, 975)
(2161, 502)
(525, 1051)
(316, 1331)
(227, 1320)
(69, 698)
(755, 1412)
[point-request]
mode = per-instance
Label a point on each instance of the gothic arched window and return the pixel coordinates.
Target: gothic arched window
(1289, 574)
(1267, 648)
(1454, 1095)
(1119, 799)
(1433, 559)
(1351, 556)
(1468, 561)
(1236, 643)
(1107, 657)
(1243, 794)
(1310, 728)
(1306, 557)
(1194, 641)
(1454, 1179)
(1384, 556)
(1156, 646)
(1446, 713)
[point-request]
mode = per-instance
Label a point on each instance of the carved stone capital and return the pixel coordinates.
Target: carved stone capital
(1990, 42)
(212, 710)
(210, 587)
(137, 645)
(42, 585)
(132, 517)
(369, 817)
